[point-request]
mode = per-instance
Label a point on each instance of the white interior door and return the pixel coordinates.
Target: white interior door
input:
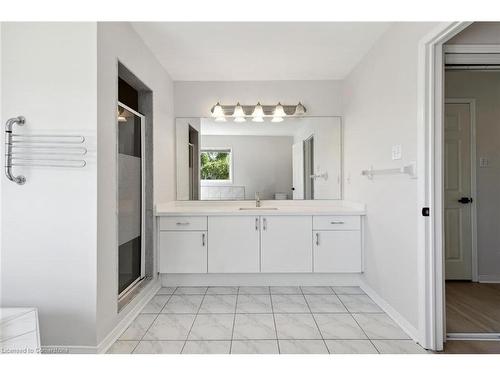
(298, 170)
(457, 192)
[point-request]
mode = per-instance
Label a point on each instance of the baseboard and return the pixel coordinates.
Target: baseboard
(260, 279)
(494, 279)
(406, 326)
(144, 297)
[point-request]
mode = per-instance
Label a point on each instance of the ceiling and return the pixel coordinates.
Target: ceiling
(256, 51)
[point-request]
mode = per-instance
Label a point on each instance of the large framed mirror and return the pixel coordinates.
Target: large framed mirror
(299, 158)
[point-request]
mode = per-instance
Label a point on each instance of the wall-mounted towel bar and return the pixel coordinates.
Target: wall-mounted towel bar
(40, 150)
(407, 169)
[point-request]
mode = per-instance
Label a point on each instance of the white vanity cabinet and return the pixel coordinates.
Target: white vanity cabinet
(286, 243)
(234, 244)
(183, 244)
(337, 244)
(259, 242)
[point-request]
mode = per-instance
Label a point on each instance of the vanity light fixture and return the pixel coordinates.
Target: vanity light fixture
(258, 113)
(239, 114)
(278, 113)
(300, 110)
(218, 113)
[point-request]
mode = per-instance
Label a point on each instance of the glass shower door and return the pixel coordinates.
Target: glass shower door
(130, 198)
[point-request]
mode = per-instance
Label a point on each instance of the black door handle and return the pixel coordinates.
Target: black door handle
(465, 200)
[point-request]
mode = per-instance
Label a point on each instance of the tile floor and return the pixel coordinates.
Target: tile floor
(263, 320)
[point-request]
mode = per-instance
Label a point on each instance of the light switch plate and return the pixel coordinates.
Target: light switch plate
(396, 152)
(483, 162)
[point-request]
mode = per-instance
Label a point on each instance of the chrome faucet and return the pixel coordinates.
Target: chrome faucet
(257, 199)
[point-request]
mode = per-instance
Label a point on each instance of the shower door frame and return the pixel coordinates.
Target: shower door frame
(137, 281)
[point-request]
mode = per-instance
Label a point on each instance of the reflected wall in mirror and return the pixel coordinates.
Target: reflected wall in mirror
(299, 158)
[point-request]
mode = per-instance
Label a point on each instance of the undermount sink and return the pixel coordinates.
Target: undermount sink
(257, 208)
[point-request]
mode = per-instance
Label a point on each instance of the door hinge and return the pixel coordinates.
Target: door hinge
(426, 211)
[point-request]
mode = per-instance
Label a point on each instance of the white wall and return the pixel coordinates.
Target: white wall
(380, 109)
(478, 33)
(119, 42)
(260, 164)
(195, 99)
(327, 153)
(485, 88)
(49, 227)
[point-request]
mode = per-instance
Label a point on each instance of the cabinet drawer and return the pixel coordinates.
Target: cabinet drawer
(336, 223)
(183, 223)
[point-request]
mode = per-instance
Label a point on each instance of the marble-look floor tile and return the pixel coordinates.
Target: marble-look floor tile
(283, 303)
(347, 290)
(170, 327)
(191, 290)
(182, 304)
(218, 303)
(285, 290)
(379, 327)
(398, 347)
(359, 303)
(254, 326)
(255, 347)
(338, 326)
(207, 347)
(350, 347)
(137, 329)
(253, 290)
(159, 347)
(316, 290)
(156, 304)
(222, 290)
(122, 347)
(167, 290)
(254, 303)
(325, 303)
(302, 347)
(296, 327)
(212, 327)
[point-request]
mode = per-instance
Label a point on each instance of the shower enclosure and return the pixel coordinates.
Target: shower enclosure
(131, 205)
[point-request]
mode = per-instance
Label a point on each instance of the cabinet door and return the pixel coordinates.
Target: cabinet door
(183, 252)
(286, 244)
(234, 244)
(337, 251)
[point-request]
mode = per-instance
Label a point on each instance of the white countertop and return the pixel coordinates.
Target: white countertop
(285, 207)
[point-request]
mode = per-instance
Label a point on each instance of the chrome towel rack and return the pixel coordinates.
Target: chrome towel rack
(407, 169)
(40, 150)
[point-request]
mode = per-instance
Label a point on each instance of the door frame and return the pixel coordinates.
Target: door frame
(473, 180)
(432, 328)
(136, 282)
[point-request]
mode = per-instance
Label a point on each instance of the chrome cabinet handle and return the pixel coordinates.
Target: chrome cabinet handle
(203, 239)
(264, 223)
(183, 223)
(317, 239)
(337, 222)
(256, 223)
